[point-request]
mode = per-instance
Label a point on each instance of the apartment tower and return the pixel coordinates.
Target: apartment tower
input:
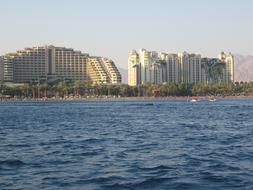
(149, 67)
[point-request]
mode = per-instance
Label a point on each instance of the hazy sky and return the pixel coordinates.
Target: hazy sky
(113, 27)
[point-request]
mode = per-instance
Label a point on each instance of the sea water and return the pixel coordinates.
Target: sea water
(149, 144)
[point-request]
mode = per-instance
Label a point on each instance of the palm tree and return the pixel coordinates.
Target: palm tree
(3, 88)
(146, 89)
(38, 89)
(77, 85)
(125, 90)
(24, 90)
(32, 87)
(63, 88)
(44, 87)
(99, 89)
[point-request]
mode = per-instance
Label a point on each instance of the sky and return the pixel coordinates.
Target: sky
(112, 28)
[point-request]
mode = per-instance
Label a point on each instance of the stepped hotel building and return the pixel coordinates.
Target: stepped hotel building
(33, 64)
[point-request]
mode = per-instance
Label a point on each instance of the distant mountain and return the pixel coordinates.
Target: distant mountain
(243, 68)
(123, 73)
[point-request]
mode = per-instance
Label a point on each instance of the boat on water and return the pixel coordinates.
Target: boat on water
(193, 99)
(211, 99)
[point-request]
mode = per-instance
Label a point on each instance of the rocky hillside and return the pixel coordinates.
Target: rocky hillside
(243, 68)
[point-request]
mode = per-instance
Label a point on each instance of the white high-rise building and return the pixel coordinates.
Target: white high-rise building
(144, 67)
(183, 60)
(145, 61)
(173, 69)
(134, 69)
(228, 72)
(155, 73)
(149, 67)
(163, 61)
(195, 74)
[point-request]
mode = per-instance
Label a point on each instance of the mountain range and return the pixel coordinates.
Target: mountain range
(243, 69)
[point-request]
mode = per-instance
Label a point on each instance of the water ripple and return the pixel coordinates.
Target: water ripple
(127, 145)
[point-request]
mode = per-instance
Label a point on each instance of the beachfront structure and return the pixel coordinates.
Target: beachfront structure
(134, 69)
(170, 68)
(212, 70)
(47, 62)
(111, 71)
(154, 68)
(228, 71)
(144, 67)
(1, 69)
(151, 67)
(189, 68)
(102, 71)
(218, 70)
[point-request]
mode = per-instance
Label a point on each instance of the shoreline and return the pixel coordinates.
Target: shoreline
(120, 98)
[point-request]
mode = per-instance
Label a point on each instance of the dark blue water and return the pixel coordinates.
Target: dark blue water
(127, 145)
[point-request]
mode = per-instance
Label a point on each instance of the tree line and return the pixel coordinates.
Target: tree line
(84, 89)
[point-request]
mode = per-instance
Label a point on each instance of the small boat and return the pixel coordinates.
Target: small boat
(192, 99)
(212, 99)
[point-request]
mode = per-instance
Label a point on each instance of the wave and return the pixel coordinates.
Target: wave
(160, 167)
(150, 183)
(12, 163)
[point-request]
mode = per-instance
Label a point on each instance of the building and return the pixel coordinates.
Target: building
(8, 70)
(65, 63)
(218, 70)
(144, 67)
(149, 67)
(1, 69)
(111, 71)
(183, 61)
(102, 71)
(173, 69)
(42, 63)
(189, 68)
(32, 64)
(212, 70)
(155, 75)
(134, 69)
(228, 71)
(195, 69)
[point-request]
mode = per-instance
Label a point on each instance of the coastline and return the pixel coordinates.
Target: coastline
(137, 98)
